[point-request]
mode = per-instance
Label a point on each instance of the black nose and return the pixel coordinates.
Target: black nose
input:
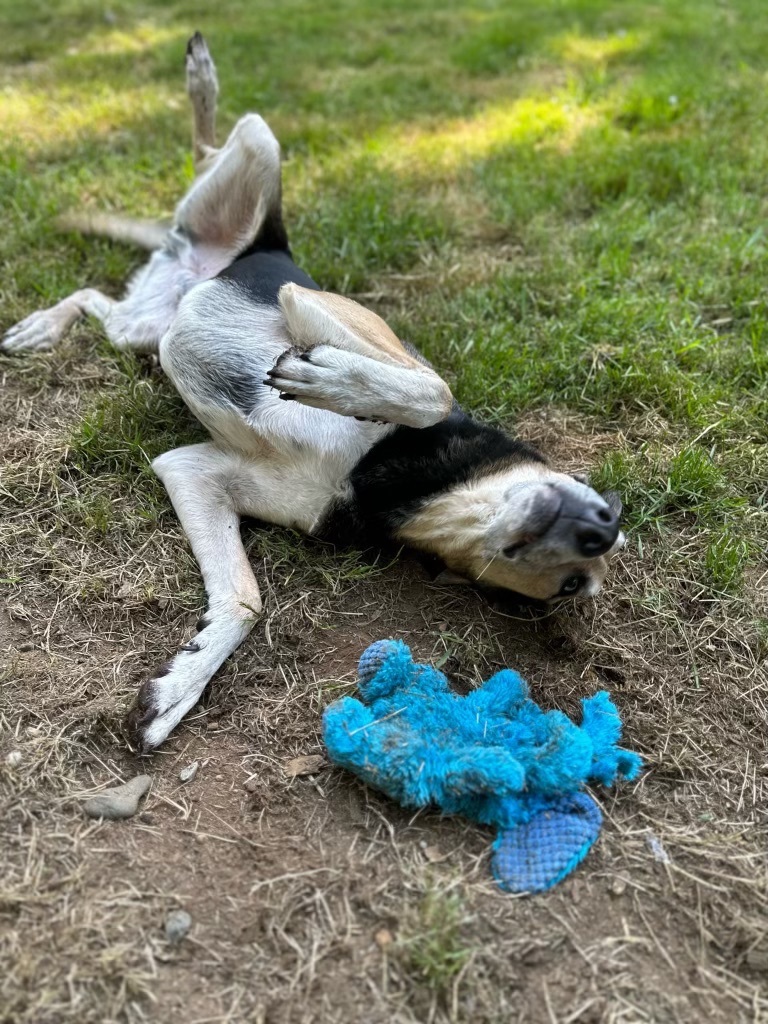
(596, 531)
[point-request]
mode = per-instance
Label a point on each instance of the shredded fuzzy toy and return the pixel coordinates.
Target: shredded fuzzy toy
(493, 756)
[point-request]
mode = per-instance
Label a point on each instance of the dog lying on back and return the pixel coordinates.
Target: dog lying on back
(320, 418)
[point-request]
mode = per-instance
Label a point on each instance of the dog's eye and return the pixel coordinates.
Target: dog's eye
(571, 585)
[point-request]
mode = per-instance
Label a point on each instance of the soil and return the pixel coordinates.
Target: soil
(313, 898)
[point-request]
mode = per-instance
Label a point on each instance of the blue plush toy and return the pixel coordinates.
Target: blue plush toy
(493, 756)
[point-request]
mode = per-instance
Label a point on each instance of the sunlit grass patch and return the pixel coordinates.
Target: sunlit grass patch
(526, 121)
(35, 118)
(579, 48)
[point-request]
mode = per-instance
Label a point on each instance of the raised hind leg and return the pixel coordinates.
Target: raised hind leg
(203, 91)
(236, 192)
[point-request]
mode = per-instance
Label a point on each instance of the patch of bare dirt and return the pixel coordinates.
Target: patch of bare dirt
(310, 894)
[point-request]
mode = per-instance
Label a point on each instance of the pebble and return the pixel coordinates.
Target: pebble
(305, 764)
(618, 886)
(120, 802)
(188, 773)
(177, 925)
(14, 758)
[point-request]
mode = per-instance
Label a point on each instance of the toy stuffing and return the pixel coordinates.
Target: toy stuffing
(493, 756)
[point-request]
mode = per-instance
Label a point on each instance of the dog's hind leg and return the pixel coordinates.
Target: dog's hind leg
(227, 206)
(203, 90)
(238, 196)
(201, 481)
(47, 327)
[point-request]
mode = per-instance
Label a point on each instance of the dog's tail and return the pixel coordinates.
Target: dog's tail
(146, 234)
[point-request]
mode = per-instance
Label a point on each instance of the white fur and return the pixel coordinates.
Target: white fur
(355, 385)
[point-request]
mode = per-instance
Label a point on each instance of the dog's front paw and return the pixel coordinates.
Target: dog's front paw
(324, 378)
(38, 331)
(161, 703)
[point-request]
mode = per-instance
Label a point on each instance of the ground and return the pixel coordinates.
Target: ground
(564, 205)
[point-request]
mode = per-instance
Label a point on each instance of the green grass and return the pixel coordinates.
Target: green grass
(431, 944)
(596, 171)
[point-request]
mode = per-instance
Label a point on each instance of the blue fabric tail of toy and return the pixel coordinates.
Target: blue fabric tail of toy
(535, 856)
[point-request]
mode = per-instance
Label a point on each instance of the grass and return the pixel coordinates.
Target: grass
(563, 205)
(432, 946)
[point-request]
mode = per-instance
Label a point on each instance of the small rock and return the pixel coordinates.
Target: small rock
(618, 887)
(305, 764)
(177, 925)
(383, 938)
(434, 854)
(120, 802)
(15, 757)
(188, 773)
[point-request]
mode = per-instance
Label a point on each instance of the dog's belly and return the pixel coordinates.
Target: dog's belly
(217, 353)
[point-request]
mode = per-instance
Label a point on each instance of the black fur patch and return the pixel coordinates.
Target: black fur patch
(263, 272)
(410, 466)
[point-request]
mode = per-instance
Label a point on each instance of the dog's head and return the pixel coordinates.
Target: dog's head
(527, 528)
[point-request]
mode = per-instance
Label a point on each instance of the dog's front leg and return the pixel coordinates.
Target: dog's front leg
(200, 481)
(347, 360)
(354, 385)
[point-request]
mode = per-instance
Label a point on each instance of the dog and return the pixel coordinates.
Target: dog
(321, 419)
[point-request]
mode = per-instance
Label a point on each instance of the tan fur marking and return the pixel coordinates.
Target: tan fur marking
(316, 318)
(459, 525)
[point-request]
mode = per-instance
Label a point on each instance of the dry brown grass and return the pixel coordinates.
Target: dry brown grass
(312, 898)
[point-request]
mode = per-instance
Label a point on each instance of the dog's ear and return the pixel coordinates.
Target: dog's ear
(614, 502)
(449, 578)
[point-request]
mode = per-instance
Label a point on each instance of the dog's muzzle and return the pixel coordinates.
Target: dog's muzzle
(590, 526)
